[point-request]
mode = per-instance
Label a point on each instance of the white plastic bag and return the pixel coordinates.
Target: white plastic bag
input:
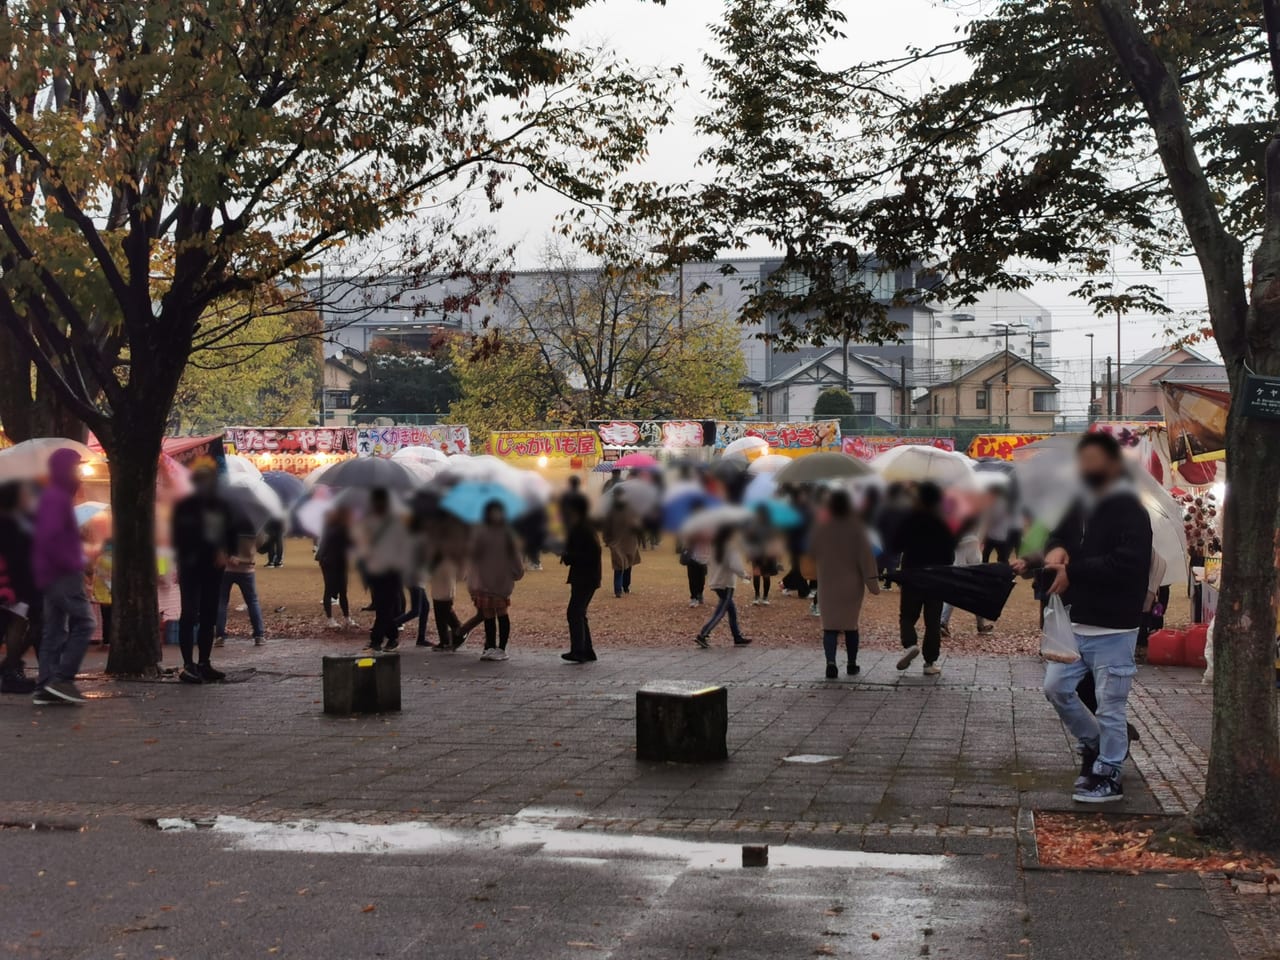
(1058, 643)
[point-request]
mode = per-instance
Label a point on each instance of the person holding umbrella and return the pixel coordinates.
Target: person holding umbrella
(240, 572)
(386, 553)
(494, 565)
(582, 557)
(925, 541)
(203, 538)
(847, 570)
(333, 554)
(727, 567)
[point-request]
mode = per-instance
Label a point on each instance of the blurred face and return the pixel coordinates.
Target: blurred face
(205, 482)
(494, 515)
(1097, 470)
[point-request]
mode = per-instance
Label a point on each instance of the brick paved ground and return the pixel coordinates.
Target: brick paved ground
(920, 765)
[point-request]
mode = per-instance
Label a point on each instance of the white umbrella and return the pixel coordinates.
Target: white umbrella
(917, 463)
(640, 496)
(253, 501)
(238, 466)
(1168, 532)
(420, 454)
(769, 463)
(315, 476)
(483, 469)
(715, 518)
(822, 467)
(29, 460)
(748, 447)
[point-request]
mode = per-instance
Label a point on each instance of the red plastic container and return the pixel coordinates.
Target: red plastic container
(1194, 644)
(1167, 648)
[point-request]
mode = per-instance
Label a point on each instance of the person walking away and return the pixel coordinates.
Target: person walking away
(572, 495)
(240, 572)
(925, 541)
(727, 567)
(273, 543)
(1099, 559)
(100, 587)
(419, 604)
(893, 513)
(493, 567)
(333, 554)
(449, 552)
(968, 554)
(203, 539)
(622, 537)
(998, 523)
(847, 570)
(532, 530)
(386, 554)
(763, 550)
(58, 567)
(582, 555)
(21, 606)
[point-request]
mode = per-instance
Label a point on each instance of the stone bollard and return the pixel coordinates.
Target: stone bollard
(682, 722)
(361, 684)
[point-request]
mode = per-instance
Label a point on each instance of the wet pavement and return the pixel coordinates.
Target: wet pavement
(502, 814)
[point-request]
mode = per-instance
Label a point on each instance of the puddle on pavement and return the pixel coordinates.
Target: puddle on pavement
(810, 758)
(531, 834)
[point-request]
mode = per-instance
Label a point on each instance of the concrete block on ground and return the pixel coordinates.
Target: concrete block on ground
(682, 723)
(368, 684)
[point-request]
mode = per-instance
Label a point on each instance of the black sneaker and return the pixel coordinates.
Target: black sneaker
(64, 690)
(43, 698)
(832, 671)
(191, 675)
(391, 645)
(17, 683)
(1088, 757)
(702, 642)
(853, 669)
(1100, 789)
(210, 675)
(742, 642)
(573, 657)
(422, 643)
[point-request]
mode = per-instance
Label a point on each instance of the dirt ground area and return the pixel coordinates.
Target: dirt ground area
(655, 614)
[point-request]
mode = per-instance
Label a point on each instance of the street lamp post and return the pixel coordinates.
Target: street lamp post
(1092, 380)
(1007, 328)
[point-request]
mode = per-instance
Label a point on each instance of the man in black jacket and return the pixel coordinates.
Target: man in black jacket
(20, 603)
(203, 540)
(1099, 559)
(582, 557)
(924, 540)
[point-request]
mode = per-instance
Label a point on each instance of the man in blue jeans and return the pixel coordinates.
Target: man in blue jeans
(239, 572)
(1098, 560)
(58, 567)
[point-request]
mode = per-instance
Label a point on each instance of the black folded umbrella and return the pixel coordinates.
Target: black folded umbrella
(982, 589)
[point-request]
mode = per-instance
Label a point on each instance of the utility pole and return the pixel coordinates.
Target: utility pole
(1092, 379)
(1108, 388)
(1006, 377)
(902, 379)
(1119, 384)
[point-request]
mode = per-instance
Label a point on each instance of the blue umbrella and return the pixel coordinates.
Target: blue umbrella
(760, 489)
(781, 514)
(287, 487)
(679, 508)
(467, 501)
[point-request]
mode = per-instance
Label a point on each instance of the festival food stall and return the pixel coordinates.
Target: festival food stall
(795, 439)
(663, 439)
(556, 454)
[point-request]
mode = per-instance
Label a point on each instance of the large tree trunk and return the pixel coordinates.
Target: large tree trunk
(133, 450)
(30, 405)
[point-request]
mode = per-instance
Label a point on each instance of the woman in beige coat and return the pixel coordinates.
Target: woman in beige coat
(621, 532)
(846, 571)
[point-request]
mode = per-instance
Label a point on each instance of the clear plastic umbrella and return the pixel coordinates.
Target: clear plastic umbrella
(917, 463)
(29, 460)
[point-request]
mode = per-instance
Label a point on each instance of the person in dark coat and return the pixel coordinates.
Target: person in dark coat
(924, 540)
(582, 555)
(204, 538)
(20, 602)
(333, 554)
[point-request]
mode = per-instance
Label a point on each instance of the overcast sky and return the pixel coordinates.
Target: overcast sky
(679, 33)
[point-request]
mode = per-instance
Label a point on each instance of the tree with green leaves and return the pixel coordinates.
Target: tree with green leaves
(1079, 132)
(267, 372)
(398, 380)
(160, 158)
(833, 402)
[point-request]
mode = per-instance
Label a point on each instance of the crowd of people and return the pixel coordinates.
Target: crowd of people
(844, 546)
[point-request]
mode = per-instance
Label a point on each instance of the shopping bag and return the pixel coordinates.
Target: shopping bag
(1058, 642)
